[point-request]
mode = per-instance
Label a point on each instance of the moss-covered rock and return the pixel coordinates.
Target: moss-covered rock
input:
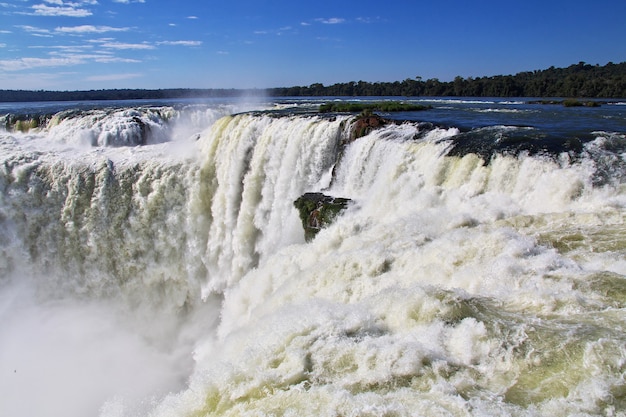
(24, 122)
(317, 211)
(382, 106)
(570, 102)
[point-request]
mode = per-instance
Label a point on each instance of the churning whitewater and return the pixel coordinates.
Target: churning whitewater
(152, 263)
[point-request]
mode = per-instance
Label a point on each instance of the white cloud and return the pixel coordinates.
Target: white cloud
(180, 43)
(33, 29)
(3, 45)
(368, 19)
(89, 29)
(79, 54)
(63, 56)
(20, 64)
(192, 17)
(101, 40)
(114, 59)
(113, 77)
(67, 49)
(121, 45)
(331, 21)
(277, 32)
(128, 1)
(68, 11)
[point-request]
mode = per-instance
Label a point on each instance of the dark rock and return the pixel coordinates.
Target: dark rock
(317, 211)
(365, 123)
(143, 130)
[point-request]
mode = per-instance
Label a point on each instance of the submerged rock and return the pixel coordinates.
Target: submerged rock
(317, 211)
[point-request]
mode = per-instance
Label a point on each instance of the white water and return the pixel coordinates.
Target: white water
(174, 279)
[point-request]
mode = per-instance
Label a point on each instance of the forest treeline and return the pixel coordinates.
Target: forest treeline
(578, 80)
(119, 94)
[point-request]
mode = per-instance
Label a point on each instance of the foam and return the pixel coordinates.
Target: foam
(449, 286)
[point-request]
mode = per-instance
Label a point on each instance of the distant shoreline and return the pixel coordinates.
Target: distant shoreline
(583, 81)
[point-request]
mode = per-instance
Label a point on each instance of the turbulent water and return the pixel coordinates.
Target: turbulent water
(152, 262)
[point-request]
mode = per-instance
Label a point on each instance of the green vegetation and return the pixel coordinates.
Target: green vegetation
(570, 102)
(383, 106)
(26, 125)
(22, 123)
(576, 103)
(579, 80)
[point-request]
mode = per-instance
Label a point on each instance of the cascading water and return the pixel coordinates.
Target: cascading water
(173, 279)
(254, 168)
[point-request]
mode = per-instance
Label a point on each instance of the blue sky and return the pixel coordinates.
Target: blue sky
(99, 44)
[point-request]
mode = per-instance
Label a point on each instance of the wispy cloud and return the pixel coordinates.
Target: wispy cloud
(33, 29)
(180, 43)
(21, 64)
(368, 20)
(64, 56)
(113, 77)
(129, 1)
(83, 55)
(65, 49)
(192, 17)
(89, 29)
(126, 46)
(71, 30)
(103, 59)
(35, 80)
(331, 21)
(72, 4)
(67, 10)
(324, 21)
(278, 32)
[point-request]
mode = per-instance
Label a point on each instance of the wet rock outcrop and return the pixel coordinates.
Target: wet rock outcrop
(365, 123)
(317, 211)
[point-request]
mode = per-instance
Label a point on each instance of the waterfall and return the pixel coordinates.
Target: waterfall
(174, 278)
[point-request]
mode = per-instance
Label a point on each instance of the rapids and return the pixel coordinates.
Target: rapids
(173, 279)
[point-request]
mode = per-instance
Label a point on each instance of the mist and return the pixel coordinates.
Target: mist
(71, 357)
